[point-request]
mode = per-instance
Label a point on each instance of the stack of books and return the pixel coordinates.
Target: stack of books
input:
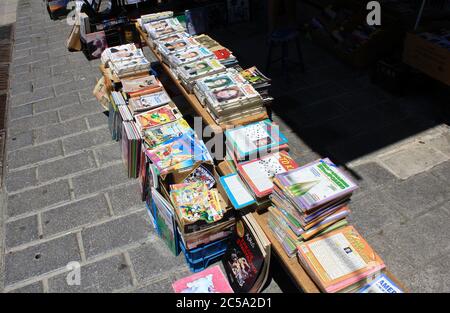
(228, 97)
(125, 60)
(148, 102)
(160, 28)
(309, 201)
(340, 261)
(147, 18)
(140, 85)
(259, 81)
(131, 147)
(253, 141)
(190, 73)
(224, 55)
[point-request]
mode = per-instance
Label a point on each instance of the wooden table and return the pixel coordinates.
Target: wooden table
(192, 99)
(291, 265)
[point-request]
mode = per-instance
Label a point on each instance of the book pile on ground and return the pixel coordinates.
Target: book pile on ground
(259, 81)
(340, 261)
(211, 280)
(227, 96)
(247, 259)
(125, 60)
(157, 29)
(224, 55)
(309, 201)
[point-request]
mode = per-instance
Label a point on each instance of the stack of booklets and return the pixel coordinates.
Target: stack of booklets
(167, 47)
(131, 148)
(157, 29)
(247, 259)
(173, 37)
(179, 154)
(224, 55)
(340, 261)
(140, 85)
(253, 141)
(211, 280)
(191, 72)
(259, 81)
(147, 18)
(228, 97)
(189, 55)
(309, 201)
(125, 60)
(148, 102)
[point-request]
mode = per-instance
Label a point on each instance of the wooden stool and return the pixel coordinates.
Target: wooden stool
(282, 37)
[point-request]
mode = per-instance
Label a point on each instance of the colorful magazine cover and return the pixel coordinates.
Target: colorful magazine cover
(157, 136)
(211, 280)
(157, 117)
(315, 184)
(194, 201)
(253, 138)
(179, 153)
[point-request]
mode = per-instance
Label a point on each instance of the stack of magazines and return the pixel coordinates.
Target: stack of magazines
(227, 96)
(309, 201)
(147, 18)
(160, 28)
(224, 55)
(125, 60)
(191, 72)
(259, 81)
(340, 261)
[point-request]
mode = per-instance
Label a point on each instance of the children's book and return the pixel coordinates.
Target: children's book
(210, 280)
(156, 136)
(381, 284)
(201, 174)
(259, 173)
(195, 202)
(157, 117)
(179, 153)
(238, 194)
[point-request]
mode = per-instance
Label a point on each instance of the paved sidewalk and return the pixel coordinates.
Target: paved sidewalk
(68, 198)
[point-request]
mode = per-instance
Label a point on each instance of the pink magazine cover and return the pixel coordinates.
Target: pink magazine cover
(211, 280)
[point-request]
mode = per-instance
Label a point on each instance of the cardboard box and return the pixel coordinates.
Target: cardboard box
(427, 57)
